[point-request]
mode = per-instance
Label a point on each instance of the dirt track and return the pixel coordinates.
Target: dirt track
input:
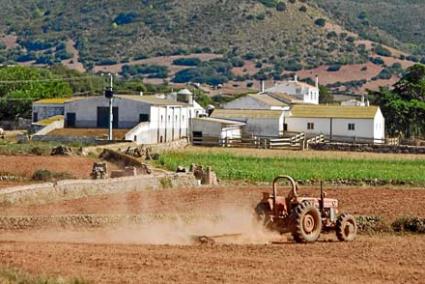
(383, 259)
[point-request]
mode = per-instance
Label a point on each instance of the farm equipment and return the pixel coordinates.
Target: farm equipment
(304, 217)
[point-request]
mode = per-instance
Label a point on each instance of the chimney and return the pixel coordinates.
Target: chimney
(296, 78)
(317, 81)
(263, 86)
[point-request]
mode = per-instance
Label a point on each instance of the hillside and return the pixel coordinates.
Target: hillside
(108, 32)
(351, 45)
(394, 22)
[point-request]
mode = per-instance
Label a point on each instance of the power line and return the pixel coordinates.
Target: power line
(48, 80)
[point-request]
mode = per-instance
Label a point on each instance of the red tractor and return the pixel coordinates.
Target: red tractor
(304, 217)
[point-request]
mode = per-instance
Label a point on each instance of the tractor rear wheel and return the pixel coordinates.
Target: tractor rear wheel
(346, 228)
(307, 223)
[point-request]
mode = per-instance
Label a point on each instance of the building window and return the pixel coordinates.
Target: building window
(351, 127)
(169, 118)
(35, 117)
(162, 118)
(310, 125)
(144, 117)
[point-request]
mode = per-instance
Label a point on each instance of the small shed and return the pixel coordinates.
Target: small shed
(258, 122)
(217, 128)
(46, 108)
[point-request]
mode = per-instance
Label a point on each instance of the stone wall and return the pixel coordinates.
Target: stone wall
(368, 148)
(66, 139)
(170, 146)
(72, 189)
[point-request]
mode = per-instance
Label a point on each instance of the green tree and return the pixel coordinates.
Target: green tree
(325, 96)
(404, 106)
(19, 86)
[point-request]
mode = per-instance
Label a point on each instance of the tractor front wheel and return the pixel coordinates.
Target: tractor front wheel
(307, 223)
(346, 228)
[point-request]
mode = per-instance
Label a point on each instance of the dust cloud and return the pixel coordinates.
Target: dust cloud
(229, 225)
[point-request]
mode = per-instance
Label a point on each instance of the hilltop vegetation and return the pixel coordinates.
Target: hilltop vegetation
(288, 33)
(395, 22)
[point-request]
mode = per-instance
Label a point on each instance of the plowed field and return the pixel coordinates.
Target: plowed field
(159, 253)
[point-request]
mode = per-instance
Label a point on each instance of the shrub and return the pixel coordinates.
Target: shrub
(320, 22)
(334, 68)
(281, 6)
(46, 175)
(187, 61)
(377, 60)
(303, 9)
(382, 51)
(125, 18)
(414, 225)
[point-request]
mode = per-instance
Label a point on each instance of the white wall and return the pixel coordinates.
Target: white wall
(167, 123)
(363, 127)
(86, 111)
(379, 125)
(264, 126)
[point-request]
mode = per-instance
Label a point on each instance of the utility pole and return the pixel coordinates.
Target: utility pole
(109, 94)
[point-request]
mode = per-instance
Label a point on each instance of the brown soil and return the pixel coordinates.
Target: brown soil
(345, 74)
(378, 259)
(25, 166)
(9, 40)
(385, 202)
(89, 132)
(127, 255)
(74, 62)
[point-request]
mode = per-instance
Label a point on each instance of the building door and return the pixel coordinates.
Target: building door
(103, 117)
(70, 119)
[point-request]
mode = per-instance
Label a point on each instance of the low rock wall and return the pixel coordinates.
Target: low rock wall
(368, 148)
(72, 189)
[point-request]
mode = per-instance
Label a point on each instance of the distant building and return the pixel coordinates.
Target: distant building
(256, 102)
(332, 120)
(294, 92)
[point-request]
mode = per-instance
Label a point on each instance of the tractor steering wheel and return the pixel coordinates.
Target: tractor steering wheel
(294, 189)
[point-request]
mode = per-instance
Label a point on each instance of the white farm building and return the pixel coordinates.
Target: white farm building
(331, 120)
(148, 119)
(294, 92)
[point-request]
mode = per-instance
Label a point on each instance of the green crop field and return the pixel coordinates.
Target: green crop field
(248, 167)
